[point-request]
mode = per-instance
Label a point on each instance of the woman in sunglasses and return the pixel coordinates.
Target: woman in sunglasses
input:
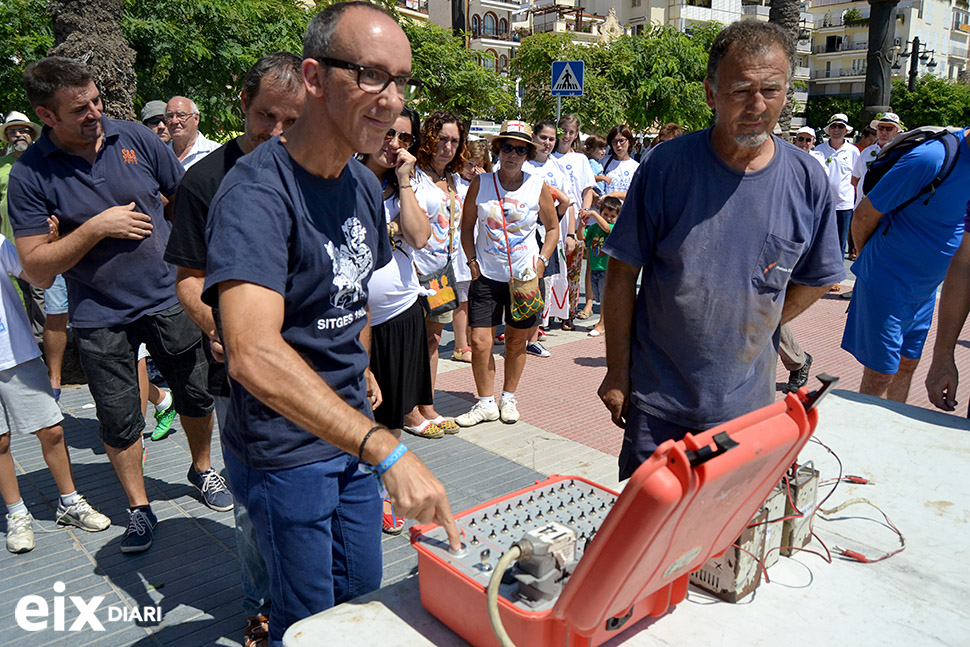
(504, 209)
(398, 348)
(440, 158)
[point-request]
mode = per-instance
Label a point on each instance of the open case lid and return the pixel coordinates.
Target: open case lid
(688, 502)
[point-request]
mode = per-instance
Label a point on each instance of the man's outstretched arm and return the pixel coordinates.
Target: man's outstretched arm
(270, 369)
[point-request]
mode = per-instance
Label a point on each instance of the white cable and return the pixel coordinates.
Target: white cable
(492, 598)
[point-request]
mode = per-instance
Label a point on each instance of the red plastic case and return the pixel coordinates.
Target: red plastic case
(670, 519)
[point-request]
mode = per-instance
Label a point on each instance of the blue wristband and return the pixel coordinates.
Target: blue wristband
(392, 458)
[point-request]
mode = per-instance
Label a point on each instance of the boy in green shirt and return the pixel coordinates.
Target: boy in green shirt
(596, 234)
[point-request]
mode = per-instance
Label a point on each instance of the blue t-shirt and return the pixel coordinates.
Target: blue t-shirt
(316, 242)
(119, 280)
(910, 260)
(718, 248)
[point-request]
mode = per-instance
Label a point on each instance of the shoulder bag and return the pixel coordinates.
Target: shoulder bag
(526, 295)
(442, 281)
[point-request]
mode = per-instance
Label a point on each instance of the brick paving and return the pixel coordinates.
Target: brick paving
(192, 570)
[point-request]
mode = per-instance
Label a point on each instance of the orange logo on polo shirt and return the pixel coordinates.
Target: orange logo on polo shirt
(129, 156)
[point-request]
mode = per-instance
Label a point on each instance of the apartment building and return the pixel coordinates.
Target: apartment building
(841, 41)
(488, 24)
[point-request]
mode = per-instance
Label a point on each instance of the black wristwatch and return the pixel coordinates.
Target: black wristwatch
(573, 236)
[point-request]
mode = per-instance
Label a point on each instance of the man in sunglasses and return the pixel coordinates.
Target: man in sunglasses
(887, 125)
(294, 233)
(153, 116)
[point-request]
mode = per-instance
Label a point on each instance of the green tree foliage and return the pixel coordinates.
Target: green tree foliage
(933, 102)
(453, 79)
(201, 49)
(25, 35)
(644, 81)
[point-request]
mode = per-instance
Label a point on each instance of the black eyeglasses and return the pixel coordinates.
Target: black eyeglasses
(508, 149)
(803, 139)
(374, 80)
(151, 122)
(404, 138)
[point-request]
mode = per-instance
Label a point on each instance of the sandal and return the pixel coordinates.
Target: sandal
(257, 632)
(427, 430)
(567, 324)
(445, 425)
(462, 355)
(391, 524)
(582, 314)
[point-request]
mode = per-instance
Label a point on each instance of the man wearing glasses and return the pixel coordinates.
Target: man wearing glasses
(188, 144)
(887, 126)
(840, 158)
(153, 116)
(295, 231)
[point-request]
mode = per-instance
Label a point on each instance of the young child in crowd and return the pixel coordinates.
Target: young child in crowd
(28, 407)
(596, 260)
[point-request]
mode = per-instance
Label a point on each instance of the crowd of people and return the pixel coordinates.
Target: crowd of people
(375, 229)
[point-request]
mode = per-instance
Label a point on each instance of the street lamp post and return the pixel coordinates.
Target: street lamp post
(924, 56)
(879, 58)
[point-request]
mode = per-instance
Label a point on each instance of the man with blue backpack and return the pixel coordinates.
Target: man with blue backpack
(905, 231)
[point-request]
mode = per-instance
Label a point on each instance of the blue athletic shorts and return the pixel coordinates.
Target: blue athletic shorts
(55, 297)
(879, 330)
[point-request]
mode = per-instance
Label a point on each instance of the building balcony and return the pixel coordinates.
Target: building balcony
(415, 6)
(755, 10)
(800, 96)
(489, 34)
(829, 3)
(957, 51)
(801, 72)
(803, 47)
(797, 122)
(498, 4)
(844, 47)
(838, 74)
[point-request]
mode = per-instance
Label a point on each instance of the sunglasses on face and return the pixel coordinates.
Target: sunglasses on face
(841, 126)
(403, 137)
(803, 139)
(886, 128)
(154, 121)
(508, 149)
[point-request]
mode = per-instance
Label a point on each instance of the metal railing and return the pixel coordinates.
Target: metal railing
(835, 74)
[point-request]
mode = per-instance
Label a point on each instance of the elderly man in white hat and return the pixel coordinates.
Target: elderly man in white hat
(840, 158)
(18, 133)
(887, 125)
(805, 140)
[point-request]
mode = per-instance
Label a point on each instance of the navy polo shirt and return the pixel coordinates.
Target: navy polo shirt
(315, 241)
(118, 280)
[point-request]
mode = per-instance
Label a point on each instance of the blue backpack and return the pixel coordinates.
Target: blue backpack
(904, 143)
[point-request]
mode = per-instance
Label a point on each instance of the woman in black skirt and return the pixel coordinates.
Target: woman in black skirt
(399, 355)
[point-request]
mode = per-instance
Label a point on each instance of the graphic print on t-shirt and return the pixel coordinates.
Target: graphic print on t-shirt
(351, 261)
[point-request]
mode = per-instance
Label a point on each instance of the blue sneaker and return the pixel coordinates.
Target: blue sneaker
(138, 536)
(536, 349)
(215, 494)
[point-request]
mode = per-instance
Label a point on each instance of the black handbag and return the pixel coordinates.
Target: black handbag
(442, 281)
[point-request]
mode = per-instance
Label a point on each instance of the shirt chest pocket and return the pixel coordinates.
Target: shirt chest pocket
(776, 262)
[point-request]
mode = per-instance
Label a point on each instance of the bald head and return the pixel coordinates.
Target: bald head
(182, 121)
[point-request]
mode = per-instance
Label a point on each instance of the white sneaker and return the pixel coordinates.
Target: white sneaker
(479, 413)
(508, 410)
(20, 533)
(81, 514)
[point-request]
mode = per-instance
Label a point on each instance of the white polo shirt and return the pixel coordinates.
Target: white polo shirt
(840, 164)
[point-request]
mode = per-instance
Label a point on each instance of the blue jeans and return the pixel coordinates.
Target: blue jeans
(843, 218)
(318, 528)
(255, 579)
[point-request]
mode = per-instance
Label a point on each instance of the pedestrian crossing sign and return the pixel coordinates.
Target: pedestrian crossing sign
(567, 78)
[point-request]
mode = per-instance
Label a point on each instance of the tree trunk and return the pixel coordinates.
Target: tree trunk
(90, 31)
(786, 14)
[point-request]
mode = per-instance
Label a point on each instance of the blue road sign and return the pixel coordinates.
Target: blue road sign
(567, 78)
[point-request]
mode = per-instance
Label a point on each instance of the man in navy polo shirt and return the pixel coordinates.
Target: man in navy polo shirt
(294, 233)
(104, 180)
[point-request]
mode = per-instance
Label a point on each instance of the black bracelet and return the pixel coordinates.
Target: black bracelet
(360, 452)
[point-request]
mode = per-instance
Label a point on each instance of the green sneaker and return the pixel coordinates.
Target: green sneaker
(163, 422)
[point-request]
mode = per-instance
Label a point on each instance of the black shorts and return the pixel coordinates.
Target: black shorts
(488, 300)
(109, 358)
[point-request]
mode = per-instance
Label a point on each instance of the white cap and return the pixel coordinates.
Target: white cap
(807, 131)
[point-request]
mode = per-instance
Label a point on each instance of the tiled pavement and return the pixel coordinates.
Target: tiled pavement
(192, 573)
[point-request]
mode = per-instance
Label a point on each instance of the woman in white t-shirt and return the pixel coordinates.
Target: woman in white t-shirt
(579, 171)
(441, 156)
(399, 350)
(502, 212)
(619, 166)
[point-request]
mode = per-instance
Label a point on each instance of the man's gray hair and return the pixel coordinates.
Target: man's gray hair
(749, 37)
(318, 41)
